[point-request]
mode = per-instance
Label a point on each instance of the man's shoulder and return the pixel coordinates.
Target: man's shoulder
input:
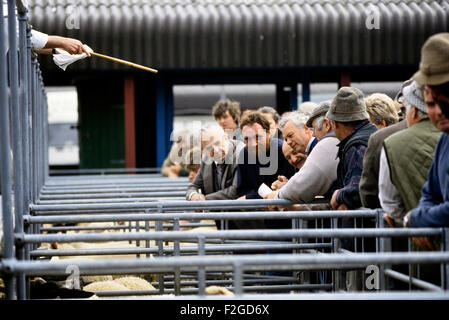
(414, 132)
(380, 135)
(356, 149)
(330, 140)
(326, 144)
(443, 144)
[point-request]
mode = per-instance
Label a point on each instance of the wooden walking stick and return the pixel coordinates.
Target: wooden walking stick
(131, 64)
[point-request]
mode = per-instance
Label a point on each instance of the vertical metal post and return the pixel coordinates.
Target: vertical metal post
(130, 229)
(201, 270)
(130, 123)
(27, 126)
(384, 245)
(147, 244)
(164, 119)
(33, 129)
(305, 85)
(238, 279)
(45, 139)
(445, 266)
(22, 250)
(138, 241)
(16, 110)
(336, 244)
(5, 159)
(176, 252)
(160, 244)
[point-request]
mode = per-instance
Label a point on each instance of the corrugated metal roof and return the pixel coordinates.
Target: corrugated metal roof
(245, 34)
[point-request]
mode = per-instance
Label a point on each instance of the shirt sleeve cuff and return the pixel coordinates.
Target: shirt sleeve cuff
(38, 39)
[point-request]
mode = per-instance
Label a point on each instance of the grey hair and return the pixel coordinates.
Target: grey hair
(319, 122)
(214, 127)
(270, 110)
(298, 118)
(421, 114)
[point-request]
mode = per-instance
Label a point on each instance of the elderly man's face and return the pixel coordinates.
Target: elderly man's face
(256, 139)
(434, 111)
(296, 138)
(214, 144)
(296, 160)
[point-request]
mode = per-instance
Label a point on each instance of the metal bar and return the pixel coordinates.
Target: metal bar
(192, 215)
(238, 278)
(201, 271)
(210, 205)
(160, 246)
(320, 296)
(411, 280)
(230, 234)
(113, 191)
(246, 282)
(83, 228)
(21, 251)
(196, 291)
(176, 252)
(172, 249)
(112, 170)
(282, 261)
(7, 212)
(445, 266)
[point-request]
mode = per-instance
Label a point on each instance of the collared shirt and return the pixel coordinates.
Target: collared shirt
(312, 142)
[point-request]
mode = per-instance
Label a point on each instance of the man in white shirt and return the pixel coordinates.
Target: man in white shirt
(404, 166)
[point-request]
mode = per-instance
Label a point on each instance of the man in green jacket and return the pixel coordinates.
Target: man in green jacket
(406, 157)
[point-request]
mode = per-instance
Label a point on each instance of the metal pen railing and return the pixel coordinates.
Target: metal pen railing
(147, 212)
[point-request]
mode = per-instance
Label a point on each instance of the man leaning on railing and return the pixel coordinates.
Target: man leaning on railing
(433, 207)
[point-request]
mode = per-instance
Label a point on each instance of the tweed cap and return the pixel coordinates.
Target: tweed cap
(434, 65)
(321, 110)
(414, 95)
(348, 105)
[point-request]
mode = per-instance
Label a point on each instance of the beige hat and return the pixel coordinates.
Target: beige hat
(434, 65)
(348, 105)
(321, 110)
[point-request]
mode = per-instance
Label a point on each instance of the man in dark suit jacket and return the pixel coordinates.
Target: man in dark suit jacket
(217, 177)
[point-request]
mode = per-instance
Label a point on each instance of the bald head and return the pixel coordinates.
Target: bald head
(296, 160)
